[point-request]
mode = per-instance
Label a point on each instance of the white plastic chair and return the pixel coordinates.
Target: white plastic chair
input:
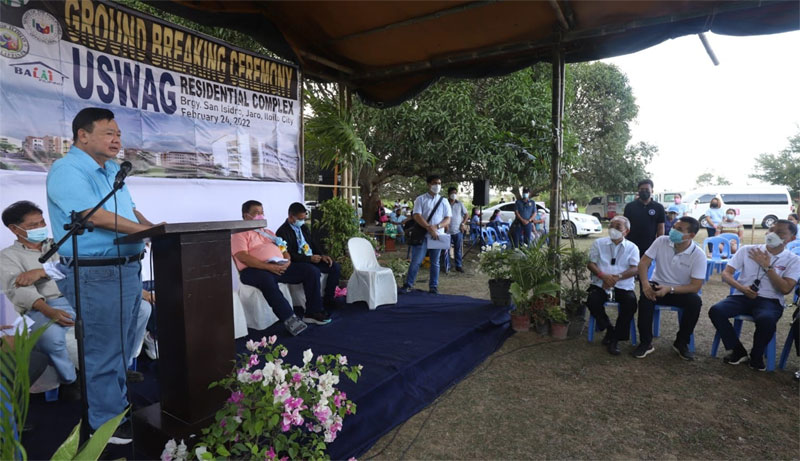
(257, 312)
(370, 282)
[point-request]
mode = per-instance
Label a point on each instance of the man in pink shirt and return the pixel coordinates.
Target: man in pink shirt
(263, 262)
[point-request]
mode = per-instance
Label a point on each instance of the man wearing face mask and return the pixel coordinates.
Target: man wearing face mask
(455, 229)
(767, 273)
(613, 262)
(34, 293)
(263, 261)
(524, 209)
(432, 213)
(646, 216)
(303, 250)
(678, 276)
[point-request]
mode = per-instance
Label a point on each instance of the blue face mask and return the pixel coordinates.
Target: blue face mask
(526, 195)
(299, 223)
(36, 235)
(675, 236)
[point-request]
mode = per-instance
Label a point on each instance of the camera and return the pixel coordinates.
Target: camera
(755, 285)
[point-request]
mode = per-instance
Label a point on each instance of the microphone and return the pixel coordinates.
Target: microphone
(124, 169)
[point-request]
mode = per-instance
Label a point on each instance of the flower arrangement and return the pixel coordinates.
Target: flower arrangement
(281, 243)
(306, 249)
(276, 410)
(494, 261)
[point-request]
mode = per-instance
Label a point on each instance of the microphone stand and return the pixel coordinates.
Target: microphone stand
(76, 227)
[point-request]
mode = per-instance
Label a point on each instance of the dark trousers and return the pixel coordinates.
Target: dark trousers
(267, 282)
(334, 274)
(627, 308)
(522, 233)
(689, 302)
(765, 313)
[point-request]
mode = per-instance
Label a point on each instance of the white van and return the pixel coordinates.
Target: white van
(764, 204)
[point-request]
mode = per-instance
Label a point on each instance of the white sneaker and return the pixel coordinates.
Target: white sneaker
(150, 346)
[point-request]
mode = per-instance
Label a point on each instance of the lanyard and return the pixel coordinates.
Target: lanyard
(614, 257)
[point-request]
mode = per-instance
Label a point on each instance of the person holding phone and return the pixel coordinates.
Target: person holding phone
(678, 276)
(768, 272)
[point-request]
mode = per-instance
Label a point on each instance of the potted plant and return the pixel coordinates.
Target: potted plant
(399, 267)
(337, 225)
(533, 278)
(558, 322)
(573, 293)
(494, 262)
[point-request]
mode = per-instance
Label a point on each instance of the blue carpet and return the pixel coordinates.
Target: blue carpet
(411, 353)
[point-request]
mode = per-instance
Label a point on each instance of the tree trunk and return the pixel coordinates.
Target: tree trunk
(368, 190)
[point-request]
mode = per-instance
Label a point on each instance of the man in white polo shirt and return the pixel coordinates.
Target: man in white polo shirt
(678, 277)
(431, 212)
(767, 273)
(613, 262)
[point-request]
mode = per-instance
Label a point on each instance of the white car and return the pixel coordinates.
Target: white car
(579, 224)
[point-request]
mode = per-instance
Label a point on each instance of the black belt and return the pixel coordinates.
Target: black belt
(103, 261)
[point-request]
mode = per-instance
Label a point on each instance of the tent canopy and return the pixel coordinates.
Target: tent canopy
(388, 51)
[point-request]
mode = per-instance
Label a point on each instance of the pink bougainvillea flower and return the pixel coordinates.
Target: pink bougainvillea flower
(272, 339)
(271, 454)
(284, 352)
(253, 360)
(343, 360)
(339, 399)
(236, 397)
(297, 377)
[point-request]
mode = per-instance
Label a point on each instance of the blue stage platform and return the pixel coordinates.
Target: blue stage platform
(411, 353)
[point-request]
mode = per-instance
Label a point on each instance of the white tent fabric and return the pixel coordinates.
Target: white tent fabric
(370, 282)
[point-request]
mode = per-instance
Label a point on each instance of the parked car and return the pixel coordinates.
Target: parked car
(764, 204)
(579, 224)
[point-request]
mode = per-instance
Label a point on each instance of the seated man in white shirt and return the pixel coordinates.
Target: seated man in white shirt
(678, 277)
(767, 273)
(33, 293)
(613, 262)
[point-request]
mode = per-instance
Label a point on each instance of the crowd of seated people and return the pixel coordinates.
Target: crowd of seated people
(759, 275)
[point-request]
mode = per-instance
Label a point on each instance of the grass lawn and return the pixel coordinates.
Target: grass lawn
(545, 399)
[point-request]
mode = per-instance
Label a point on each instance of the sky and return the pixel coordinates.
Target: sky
(714, 118)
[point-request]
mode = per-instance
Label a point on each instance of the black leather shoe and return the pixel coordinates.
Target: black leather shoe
(737, 356)
(405, 289)
(460, 269)
(683, 351)
(434, 291)
(613, 348)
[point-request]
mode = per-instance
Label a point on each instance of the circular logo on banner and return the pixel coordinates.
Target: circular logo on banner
(41, 25)
(13, 43)
(652, 212)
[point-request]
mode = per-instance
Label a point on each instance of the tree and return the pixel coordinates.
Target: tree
(707, 179)
(782, 168)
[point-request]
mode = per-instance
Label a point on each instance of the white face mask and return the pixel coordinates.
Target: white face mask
(730, 216)
(772, 240)
(452, 196)
(614, 234)
(436, 188)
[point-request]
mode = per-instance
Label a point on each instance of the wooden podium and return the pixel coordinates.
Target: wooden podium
(194, 311)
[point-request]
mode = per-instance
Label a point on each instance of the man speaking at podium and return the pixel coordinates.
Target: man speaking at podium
(110, 274)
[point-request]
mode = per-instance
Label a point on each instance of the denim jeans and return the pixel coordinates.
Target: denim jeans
(109, 327)
(765, 313)
(418, 253)
(456, 240)
(53, 341)
(522, 234)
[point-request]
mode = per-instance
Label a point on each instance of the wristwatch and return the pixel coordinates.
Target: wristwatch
(671, 290)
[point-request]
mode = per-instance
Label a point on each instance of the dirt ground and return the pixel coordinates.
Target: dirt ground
(537, 398)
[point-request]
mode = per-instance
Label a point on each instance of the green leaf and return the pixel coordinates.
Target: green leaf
(97, 442)
(69, 447)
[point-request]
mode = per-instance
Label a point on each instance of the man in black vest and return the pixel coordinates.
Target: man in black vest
(646, 216)
(303, 250)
